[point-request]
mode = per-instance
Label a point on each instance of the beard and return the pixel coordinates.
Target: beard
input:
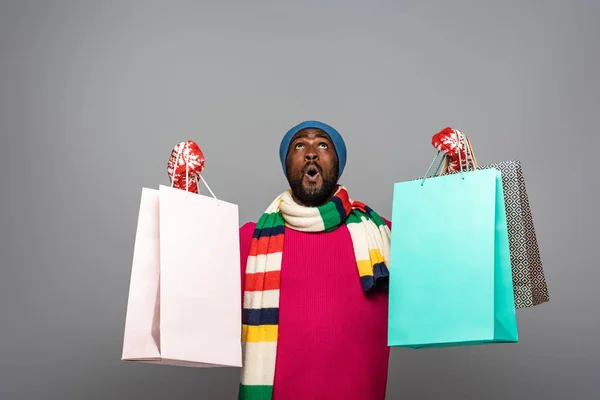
(314, 195)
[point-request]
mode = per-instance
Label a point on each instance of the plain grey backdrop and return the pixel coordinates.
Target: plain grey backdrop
(94, 94)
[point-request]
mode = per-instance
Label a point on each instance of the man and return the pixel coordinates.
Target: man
(314, 279)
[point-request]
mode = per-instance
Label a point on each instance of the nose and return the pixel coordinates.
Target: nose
(311, 156)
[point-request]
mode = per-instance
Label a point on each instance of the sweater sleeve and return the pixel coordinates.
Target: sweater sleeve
(389, 223)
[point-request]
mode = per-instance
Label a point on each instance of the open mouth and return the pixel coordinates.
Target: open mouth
(312, 172)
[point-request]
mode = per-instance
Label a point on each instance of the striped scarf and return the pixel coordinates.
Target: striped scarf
(371, 241)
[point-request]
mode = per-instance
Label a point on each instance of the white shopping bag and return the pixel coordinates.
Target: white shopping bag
(184, 305)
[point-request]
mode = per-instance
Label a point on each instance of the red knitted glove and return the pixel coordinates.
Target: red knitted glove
(189, 153)
(445, 141)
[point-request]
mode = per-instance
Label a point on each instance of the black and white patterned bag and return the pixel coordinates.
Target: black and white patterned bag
(529, 282)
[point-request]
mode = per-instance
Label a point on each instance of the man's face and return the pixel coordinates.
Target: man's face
(312, 167)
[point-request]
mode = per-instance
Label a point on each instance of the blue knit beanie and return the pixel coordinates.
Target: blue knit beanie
(336, 138)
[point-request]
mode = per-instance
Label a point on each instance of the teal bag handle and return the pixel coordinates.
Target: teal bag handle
(431, 165)
(444, 157)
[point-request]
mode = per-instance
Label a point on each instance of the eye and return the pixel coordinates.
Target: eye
(324, 145)
(298, 146)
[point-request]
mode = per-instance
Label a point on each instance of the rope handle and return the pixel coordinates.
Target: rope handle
(444, 162)
(193, 176)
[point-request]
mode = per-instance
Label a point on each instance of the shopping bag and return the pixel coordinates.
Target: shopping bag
(450, 274)
(529, 281)
(142, 321)
(184, 299)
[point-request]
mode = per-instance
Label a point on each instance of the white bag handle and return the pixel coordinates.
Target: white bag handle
(187, 175)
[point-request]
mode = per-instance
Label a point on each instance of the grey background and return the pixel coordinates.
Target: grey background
(93, 96)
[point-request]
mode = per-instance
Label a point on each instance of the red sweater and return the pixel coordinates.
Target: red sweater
(332, 337)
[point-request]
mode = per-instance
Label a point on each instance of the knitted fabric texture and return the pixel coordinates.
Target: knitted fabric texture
(185, 165)
(371, 242)
(445, 141)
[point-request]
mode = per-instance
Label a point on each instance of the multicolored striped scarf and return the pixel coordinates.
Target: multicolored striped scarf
(371, 241)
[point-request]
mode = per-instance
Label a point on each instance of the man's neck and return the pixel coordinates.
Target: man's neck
(301, 203)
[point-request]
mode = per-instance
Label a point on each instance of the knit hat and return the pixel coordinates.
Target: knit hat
(336, 138)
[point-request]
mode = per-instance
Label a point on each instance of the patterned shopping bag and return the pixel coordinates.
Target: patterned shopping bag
(528, 274)
(529, 281)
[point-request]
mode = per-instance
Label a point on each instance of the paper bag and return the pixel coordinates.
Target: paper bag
(184, 299)
(450, 272)
(529, 281)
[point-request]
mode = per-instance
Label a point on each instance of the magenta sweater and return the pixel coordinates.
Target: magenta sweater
(332, 337)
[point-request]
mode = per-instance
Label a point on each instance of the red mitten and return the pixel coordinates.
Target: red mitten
(445, 141)
(189, 158)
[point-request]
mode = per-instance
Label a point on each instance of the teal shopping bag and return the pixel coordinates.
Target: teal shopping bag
(450, 271)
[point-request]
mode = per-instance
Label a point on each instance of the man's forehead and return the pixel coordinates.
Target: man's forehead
(306, 132)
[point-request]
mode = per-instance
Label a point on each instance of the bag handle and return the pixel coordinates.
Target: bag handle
(445, 161)
(468, 151)
(187, 174)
